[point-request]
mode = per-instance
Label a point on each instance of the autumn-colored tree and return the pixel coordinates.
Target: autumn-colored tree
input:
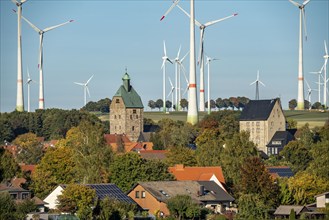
(29, 148)
(77, 199)
(255, 179)
(56, 167)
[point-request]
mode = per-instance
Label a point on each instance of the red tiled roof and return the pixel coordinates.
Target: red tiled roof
(197, 173)
(112, 138)
(153, 154)
(28, 167)
(18, 182)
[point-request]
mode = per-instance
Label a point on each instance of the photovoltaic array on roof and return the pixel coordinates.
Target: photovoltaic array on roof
(111, 191)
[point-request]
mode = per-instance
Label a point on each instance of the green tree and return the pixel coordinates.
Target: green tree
(292, 124)
(8, 166)
(159, 104)
(25, 207)
(251, 207)
(77, 199)
(183, 207)
(317, 105)
(127, 169)
(285, 196)
(210, 147)
(168, 104)
(180, 155)
(7, 206)
(297, 155)
(292, 104)
(219, 103)
(236, 150)
(29, 148)
(151, 104)
(319, 166)
(56, 167)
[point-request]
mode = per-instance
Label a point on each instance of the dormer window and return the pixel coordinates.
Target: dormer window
(117, 100)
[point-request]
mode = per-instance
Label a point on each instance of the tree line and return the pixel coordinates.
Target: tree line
(219, 103)
(307, 105)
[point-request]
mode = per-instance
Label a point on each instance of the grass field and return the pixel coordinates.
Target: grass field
(313, 118)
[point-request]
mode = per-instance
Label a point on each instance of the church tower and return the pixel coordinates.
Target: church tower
(126, 111)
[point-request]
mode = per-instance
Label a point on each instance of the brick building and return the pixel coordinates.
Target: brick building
(126, 111)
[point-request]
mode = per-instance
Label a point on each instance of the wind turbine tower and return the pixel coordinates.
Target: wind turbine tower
(20, 96)
(85, 89)
(319, 82)
(325, 80)
(192, 113)
(28, 81)
(209, 59)
(257, 81)
(300, 99)
(40, 64)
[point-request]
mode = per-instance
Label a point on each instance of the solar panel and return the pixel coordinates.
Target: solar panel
(111, 191)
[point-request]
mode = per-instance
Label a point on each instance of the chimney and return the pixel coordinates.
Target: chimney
(201, 191)
(179, 166)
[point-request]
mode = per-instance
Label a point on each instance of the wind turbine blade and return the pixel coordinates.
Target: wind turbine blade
(32, 25)
(261, 83)
(164, 48)
(181, 61)
(325, 48)
(308, 85)
(219, 20)
(295, 3)
(169, 10)
(56, 26)
(305, 2)
(178, 52)
(253, 82)
(28, 73)
(197, 23)
(81, 84)
(23, 1)
(89, 79)
(170, 83)
(88, 91)
(163, 63)
(257, 75)
(169, 60)
(201, 45)
(304, 22)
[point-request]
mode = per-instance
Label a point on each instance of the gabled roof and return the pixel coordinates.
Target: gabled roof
(130, 98)
(285, 209)
(164, 190)
(28, 167)
(284, 136)
(196, 173)
(107, 190)
(257, 110)
(280, 171)
(113, 138)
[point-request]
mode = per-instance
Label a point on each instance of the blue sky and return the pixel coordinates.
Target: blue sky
(109, 36)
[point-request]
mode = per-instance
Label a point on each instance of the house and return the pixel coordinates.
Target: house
(262, 119)
(322, 200)
(278, 141)
(199, 174)
(153, 196)
(115, 140)
(126, 111)
(283, 211)
(280, 171)
(19, 194)
(102, 190)
(153, 154)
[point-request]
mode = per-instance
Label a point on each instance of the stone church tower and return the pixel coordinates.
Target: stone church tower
(126, 111)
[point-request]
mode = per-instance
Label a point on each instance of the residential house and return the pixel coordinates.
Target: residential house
(199, 173)
(153, 154)
(153, 196)
(102, 190)
(120, 142)
(126, 111)
(283, 211)
(278, 141)
(262, 119)
(322, 200)
(280, 171)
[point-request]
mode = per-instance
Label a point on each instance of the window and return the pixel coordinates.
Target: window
(136, 116)
(134, 111)
(25, 195)
(131, 117)
(119, 116)
(133, 128)
(137, 194)
(257, 123)
(13, 195)
(115, 117)
(143, 194)
(117, 100)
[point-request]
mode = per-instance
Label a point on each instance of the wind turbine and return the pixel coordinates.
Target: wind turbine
(192, 114)
(20, 96)
(172, 94)
(201, 52)
(85, 88)
(40, 64)
(163, 67)
(319, 82)
(325, 80)
(181, 67)
(209, 59)
(28, 81)
(177, 77)
(302, 20)
(257, 81)
(309, 93)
